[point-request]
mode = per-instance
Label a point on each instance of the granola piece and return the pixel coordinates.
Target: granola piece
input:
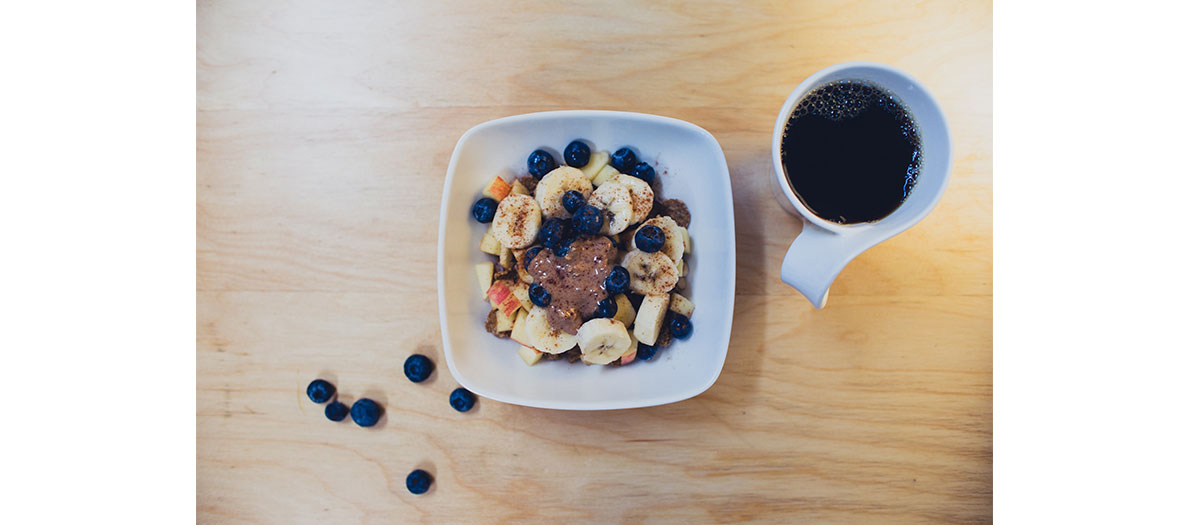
(502, 273)
(665, 336)
(529, 183)
(490, 325)
(677, 211)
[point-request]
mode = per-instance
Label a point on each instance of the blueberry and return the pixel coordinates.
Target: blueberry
(607, 308)
(366, 412)
(572, 200)
(645, 352)
(336, 411)
(680, 326)
(568, 232)
(649, 239)
(529, 255)
(484, 209)
(577, 154)
(418, 481)
(418, 367)
(564, 247)
(645, 172)
(618, 280)
(462, 399)
(541, 163)
(623, 160)
(539, 295)
(552, 232)
(587, 220)
(320, 391)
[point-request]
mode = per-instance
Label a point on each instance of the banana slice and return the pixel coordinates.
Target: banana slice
(603, 340)
(673, 242)
(651, 273)
(551, 188)
(517, 221)
(614, 199)
(598, 159)
(642, 198)
(544, 337)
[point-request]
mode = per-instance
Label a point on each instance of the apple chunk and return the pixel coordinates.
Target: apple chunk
(627, 358)
(625, 313)
(506, 257)
(519, 188)
(503, 321)
(489, 245)
(681, 305)
(529, 355)
(483, 274)
(501, 296)
(518, 333)
(521, 291)
(497, 189)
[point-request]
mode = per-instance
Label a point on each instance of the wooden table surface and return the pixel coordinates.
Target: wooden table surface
(323, 135)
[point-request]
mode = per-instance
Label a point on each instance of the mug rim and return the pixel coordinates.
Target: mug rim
(811, 82)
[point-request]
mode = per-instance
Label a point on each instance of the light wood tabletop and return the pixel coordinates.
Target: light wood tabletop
(323, 135)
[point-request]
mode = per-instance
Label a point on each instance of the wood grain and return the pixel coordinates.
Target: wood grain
(323, 135)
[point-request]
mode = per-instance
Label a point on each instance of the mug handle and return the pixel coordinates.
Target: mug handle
(816, 257)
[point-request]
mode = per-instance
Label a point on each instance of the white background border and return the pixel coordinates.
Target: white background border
(97, 269)
(1086, 201)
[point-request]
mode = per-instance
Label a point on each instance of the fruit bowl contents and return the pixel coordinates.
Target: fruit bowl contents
(588, 263)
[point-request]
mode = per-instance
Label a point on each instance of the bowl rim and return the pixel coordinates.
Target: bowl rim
(726, 191)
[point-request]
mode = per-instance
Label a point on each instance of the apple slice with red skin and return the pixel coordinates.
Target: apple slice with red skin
(500, 295)
(497, 189)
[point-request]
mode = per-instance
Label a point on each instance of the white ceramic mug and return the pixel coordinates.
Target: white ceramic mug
(823, 248)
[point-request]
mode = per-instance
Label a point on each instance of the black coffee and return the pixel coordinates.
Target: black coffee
(851, 152)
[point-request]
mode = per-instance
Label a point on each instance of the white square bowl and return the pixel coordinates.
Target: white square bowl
(691, 166)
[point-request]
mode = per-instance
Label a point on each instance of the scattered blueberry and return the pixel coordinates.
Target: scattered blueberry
(462, 399)
(645, 172)
(623, 160)
(587, 220)
(366, 412)
(418, 367)
(607, 308)
(541, 163)
(484, 209)
(336, 411)
(645, 352)
(320, 391)
(680, 326)
(649, 239)
(577, 154)
(572, 200)
(568, 232)
(539, 295)
(552, 232)
(564, 247)
(418, 481)
(529, 255)
(618, 280)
